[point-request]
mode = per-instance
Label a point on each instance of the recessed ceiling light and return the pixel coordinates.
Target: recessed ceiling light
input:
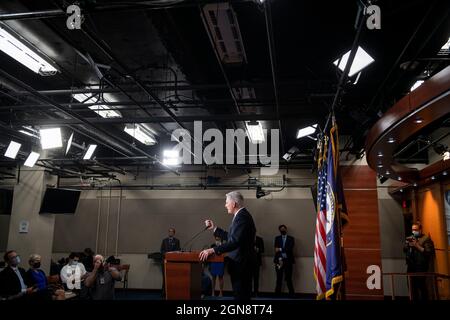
(418, 120)
(391, 140)
(416, 84)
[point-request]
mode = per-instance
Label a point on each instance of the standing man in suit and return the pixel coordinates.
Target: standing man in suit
(13, 278)
(240, 245)
(259, 248)
(167, 245)
(284, 259)
(170, 243)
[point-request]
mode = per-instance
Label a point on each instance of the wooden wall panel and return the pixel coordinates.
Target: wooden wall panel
(362, 235)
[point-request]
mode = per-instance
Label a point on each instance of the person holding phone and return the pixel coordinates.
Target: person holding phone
(419, 250)
(101, 280)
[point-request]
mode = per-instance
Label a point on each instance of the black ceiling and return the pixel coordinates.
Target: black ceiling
(161, 66)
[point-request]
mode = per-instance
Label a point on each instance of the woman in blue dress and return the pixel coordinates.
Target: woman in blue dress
(217, 270)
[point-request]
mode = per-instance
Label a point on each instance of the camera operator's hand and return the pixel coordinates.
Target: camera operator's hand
(412, 242)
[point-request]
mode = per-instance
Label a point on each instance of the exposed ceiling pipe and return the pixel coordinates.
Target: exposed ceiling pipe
(117, 120)
(102, 7)
(271, 45)
(95, 136)
(72, 114)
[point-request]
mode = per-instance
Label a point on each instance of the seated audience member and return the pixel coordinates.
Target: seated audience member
(88, 259)
(73, 271)
(12, 278)
(102, 279)
(36, 278)
(55, 268)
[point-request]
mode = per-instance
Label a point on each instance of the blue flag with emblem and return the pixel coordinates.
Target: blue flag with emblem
(334, 270)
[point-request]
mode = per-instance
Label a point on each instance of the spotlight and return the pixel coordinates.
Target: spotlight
(303, 132)
(291, 153)
(261, 193)
(13, 150)
(382, 179)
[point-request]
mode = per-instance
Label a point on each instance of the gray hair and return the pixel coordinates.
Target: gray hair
(237, 197)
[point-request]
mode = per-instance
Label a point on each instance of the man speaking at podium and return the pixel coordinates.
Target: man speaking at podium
(239, 245)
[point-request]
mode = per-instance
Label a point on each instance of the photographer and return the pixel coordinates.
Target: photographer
(419, 250)
(102, 279)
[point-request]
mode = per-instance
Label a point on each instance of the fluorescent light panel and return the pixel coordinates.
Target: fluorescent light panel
(255, 131)
(32, 159)
(101, 109)
(171, 158)
(51, 138)
(90, 151)
(69, 143)
(17, 50)
(140, 133)
(306, 131)
(362, 59)
(12, 150)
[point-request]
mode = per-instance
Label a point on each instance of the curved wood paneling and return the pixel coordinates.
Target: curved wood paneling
(430, 102)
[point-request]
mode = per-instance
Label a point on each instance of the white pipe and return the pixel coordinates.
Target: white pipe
(98, 219)
(119, 209)
(107, 221)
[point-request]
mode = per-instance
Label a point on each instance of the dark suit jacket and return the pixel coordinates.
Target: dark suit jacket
(259, 244)
(288, 249)
(240, 239)
(10, 283)
(167, 247)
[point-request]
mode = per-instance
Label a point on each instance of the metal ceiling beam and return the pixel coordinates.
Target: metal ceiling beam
(211, 118)
(137, 6)
(74, 115)
(169, 86)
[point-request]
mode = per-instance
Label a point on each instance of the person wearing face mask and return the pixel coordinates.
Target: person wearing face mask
(74, 271)
(36, 277)
(284, 259)
(13, 278)
(217, 269)
(419, 250)
(102, 279)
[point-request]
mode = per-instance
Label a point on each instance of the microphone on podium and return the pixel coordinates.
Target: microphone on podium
(193, 238)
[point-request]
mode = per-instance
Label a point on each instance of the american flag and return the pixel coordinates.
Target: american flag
(320, 249)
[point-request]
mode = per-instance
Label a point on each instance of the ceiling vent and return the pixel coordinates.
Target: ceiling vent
(224, 32)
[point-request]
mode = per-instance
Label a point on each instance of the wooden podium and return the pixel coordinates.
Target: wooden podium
(182, 272)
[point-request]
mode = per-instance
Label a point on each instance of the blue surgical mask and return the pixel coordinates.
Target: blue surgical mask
(416, 234)
(18, 261)
(74, 263)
